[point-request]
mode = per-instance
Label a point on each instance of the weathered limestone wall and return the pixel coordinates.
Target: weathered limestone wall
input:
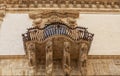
(15, 67)
(12, 28)
(94, 67)
(103, 67)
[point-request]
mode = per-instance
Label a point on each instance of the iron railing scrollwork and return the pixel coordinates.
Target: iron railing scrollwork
(56, 28)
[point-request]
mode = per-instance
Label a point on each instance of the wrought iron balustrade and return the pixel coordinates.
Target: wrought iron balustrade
(55, 29)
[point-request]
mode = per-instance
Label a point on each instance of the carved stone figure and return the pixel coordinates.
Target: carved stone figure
(49, 58)
(66, 62)
(67, 47)
(83, 58)
(31, 53)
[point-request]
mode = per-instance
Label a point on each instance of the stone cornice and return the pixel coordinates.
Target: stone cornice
(81, 10)
(60, 3)
(103, 56)
(81, 5)
(89, 56)
(13, 56)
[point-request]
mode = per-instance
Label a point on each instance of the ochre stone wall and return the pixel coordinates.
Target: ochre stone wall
(94, 67)
(103, 67)
(15, 67)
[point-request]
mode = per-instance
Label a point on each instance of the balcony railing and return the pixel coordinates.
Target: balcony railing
(57, 29)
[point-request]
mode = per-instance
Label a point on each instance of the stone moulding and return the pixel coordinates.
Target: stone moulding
(60, 4)
(103, 56)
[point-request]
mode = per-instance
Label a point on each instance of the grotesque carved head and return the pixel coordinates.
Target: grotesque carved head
(71, 22)
(31, 46)
(84, 47)
(49, 46)
(67, 46)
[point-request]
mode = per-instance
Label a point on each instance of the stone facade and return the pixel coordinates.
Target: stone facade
(103, 67)
(43, 56)
(14, 66)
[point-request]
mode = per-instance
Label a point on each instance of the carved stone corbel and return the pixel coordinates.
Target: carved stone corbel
(49, 58)
(31, 52)
(83, 58)
(66, 59)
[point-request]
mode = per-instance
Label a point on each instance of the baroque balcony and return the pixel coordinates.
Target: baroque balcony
(58, 44)
(57, 29)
